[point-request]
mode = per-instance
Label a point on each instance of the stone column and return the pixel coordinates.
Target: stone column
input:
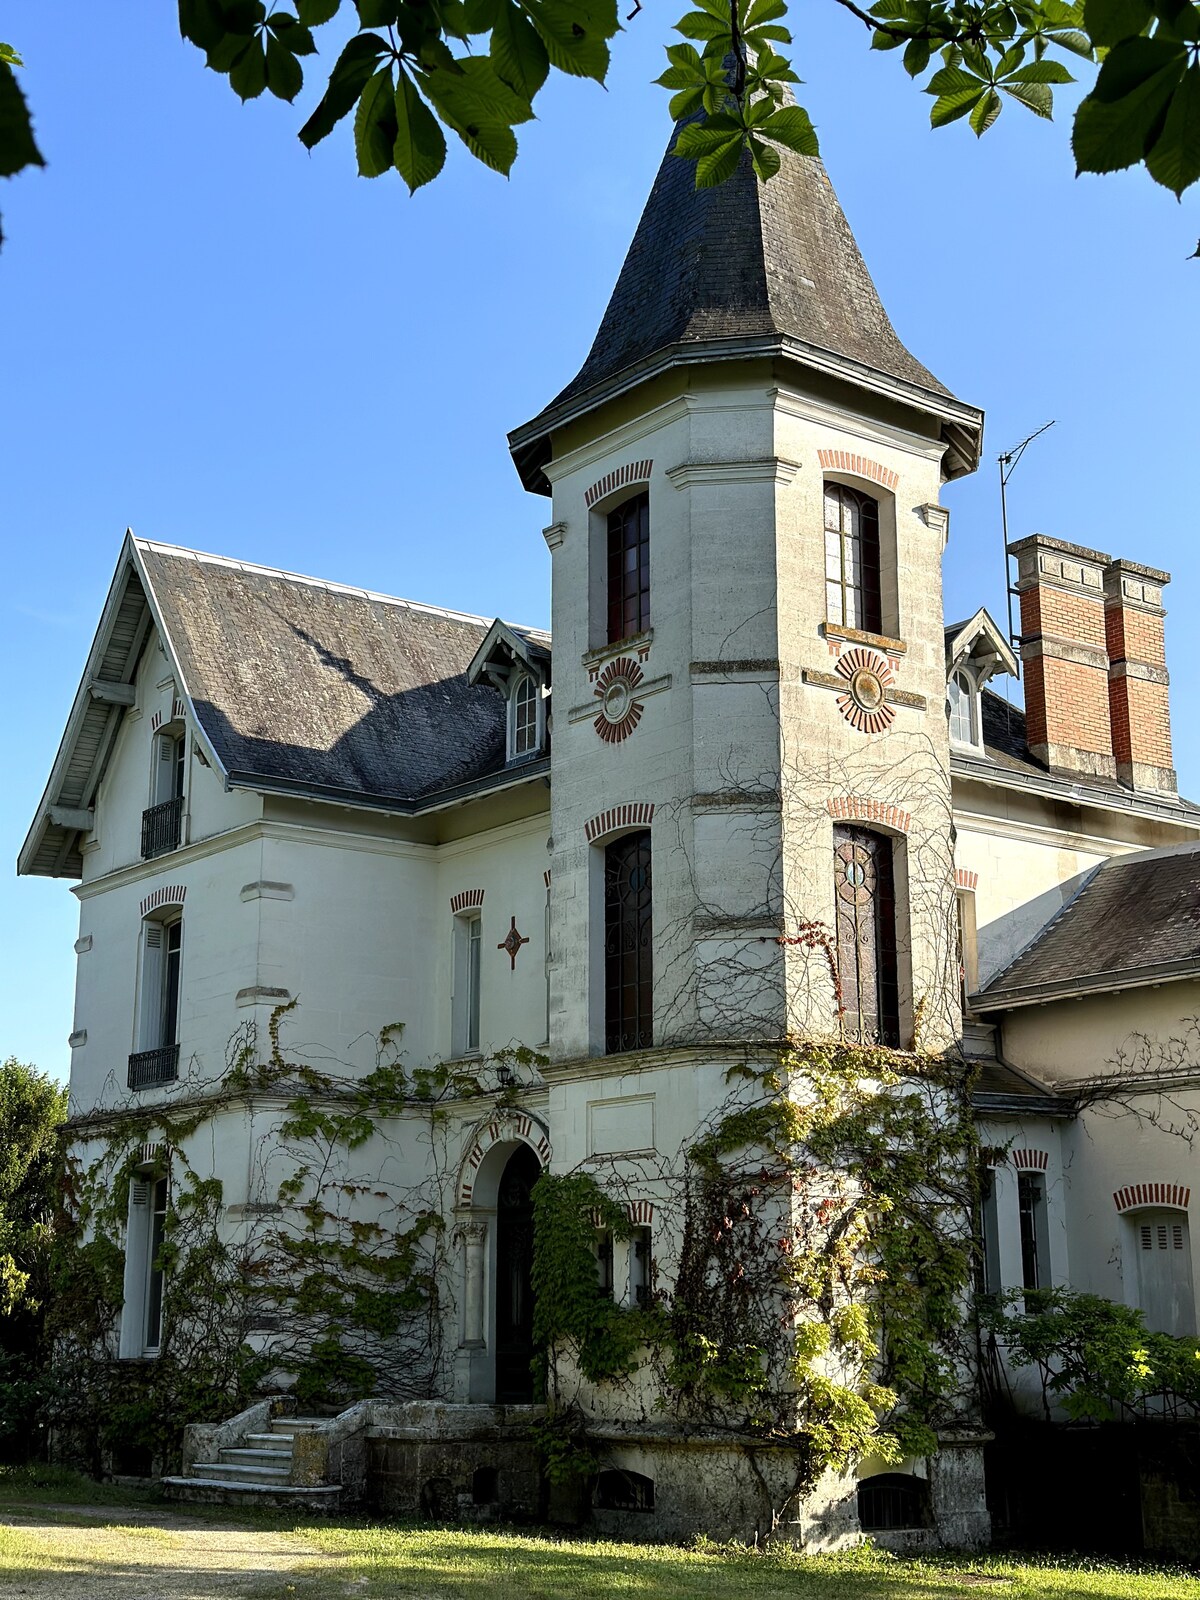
(474, 1237)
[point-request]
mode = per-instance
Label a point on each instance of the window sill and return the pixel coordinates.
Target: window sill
(636, 642)
(881, 641)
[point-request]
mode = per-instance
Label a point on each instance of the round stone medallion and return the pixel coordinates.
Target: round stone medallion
(616, 690)
(869, 677)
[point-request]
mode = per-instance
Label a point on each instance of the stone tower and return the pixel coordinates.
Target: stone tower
(769, 685)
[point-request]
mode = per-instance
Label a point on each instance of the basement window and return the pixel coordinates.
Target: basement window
(624, 1491)
(893, 1500)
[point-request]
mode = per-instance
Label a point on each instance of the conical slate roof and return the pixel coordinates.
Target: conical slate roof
(740, 269)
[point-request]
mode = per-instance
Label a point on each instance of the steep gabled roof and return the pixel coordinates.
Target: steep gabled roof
(1135, 919)
(295, 684)
(741, 269)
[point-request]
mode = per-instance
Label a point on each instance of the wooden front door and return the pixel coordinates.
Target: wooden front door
(514, 1279)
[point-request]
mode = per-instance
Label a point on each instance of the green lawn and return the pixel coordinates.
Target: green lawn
(64, 1538)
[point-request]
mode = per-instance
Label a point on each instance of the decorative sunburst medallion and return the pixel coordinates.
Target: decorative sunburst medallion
(620, 710)
(868, 676)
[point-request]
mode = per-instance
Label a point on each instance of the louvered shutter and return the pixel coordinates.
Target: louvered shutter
(151, 1012)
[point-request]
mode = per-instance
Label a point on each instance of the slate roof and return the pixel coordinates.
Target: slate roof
(774, 265)
(313, 684)
(1135, 919)
(297, 685)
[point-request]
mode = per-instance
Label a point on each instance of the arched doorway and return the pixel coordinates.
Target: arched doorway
(514, 1278)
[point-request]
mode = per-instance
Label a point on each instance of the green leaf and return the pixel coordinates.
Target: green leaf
(1038, 97)
(763, 11)
(419, 151)
(575, 35)
(480, 15)
(475, 93)
(492, 143)
(916, 56)
(517, 52)
(886, 41)
(792, 126)
(1174, 160)
(9, 55)
(346, 83)
(1010, 61)
(375, 129)
(293, 35)
(202, 22)
(18, 148)
(949, 107)
(314, 12)
(1071, 39)
(765, 160)
(699, 25)
(719, 163)
(376, 13)
(684, 104)
(697, 139)
(1039, 72)
(285, 77)
(1115, 131)
(248, 75)
(985, 113)
(1110, 21)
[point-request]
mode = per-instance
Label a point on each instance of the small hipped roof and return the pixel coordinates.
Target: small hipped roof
(746, 268)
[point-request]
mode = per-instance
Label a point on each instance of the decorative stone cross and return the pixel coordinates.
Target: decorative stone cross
(512, 943)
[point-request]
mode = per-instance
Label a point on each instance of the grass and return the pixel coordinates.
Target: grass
(195, 1553)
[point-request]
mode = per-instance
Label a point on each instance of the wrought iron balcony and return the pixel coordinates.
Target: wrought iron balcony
(148, 1067)
(162, 827)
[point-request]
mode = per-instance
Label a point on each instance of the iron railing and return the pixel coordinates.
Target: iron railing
(148, 1067)
(162, 827)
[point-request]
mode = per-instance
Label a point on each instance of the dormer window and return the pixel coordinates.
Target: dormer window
(963, 698)
(524, 741)
(525, 718)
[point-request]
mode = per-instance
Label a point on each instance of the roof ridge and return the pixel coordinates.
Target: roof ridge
(161, 547)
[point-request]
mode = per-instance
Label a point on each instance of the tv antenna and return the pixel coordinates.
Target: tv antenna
(1009, 462)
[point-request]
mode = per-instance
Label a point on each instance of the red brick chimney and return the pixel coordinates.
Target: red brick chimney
(1137, 676)
(1064, 655)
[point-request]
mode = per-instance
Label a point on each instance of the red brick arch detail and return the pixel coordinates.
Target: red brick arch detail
(1136, 1195)
(519, 1127)
(632, 472)
(466, 900)
(641, 1213)
(854, 808)
(636, 814)
(966, 880)
(860, 466)
(1031, 1160)
(171, 894)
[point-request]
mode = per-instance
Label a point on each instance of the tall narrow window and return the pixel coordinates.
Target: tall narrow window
(156, 1059)
(468, 948)
(964, 710)
(162, 821)
(853, 596)
(1164, 1272)
(865, 896)
(154, 1267)
(628, 944)
(524, 717)
(989, 1229)
(641, 1266)
(629, 568)
(1031, 1202)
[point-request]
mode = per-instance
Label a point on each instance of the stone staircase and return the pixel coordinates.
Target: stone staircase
(258, 1470)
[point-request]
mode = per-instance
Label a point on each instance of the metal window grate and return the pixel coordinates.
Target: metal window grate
(148, 1067)
(162, 828)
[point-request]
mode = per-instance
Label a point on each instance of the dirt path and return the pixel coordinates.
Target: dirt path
(144, 1553)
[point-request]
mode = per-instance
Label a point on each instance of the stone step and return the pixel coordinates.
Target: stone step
(270, 1441)
(239, 1472)
(257, 1456)
(281, 1425)
(322, 1499)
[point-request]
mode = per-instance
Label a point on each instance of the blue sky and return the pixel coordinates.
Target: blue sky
(223, 341)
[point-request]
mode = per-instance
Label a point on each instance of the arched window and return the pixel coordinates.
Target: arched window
(865, 894)
(893, 1500)
(629, 568)
(853, 597)
(524, 737)
(964, 710)
(628, 944)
